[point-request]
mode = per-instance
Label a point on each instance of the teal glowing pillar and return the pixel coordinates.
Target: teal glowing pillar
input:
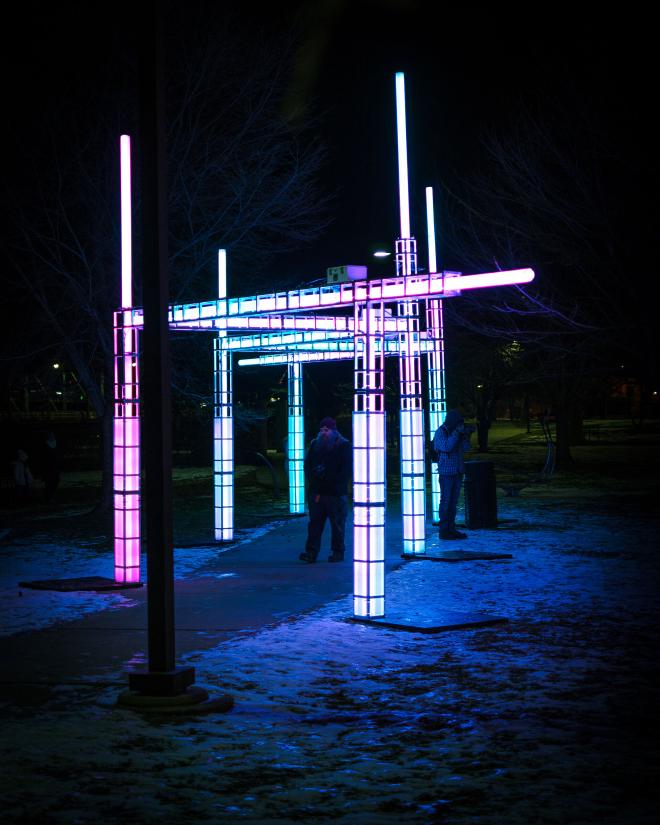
(437, 403)
(126, 421)
(369, 464)
(411, 439)
(295, 453)
(223, 419)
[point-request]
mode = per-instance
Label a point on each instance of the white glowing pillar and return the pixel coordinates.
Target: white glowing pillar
(402, 151)
(223, 420)
(430, 229)
(437, 405)
(411, 443)
(296, 436)
(126, 419)
(369, 464)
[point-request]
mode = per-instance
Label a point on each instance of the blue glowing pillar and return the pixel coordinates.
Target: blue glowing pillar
(437, 404)
(223, 421)
(369, 464)
(296, 439)
(413, 481)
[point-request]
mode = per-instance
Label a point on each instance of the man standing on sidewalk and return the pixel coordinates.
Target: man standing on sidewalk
(450, 441)
(327, 472)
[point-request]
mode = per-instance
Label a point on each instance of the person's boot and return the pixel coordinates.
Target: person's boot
(458, 535)
(307, 557)
(336, 557)
(445, 535)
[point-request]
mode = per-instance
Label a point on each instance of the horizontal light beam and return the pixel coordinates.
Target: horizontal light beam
(434, 284)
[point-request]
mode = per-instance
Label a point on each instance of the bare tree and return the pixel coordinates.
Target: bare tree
(549, 196)
(240, 177)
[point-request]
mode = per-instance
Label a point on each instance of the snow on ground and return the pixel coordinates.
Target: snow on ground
(38, 558)
(547, 719)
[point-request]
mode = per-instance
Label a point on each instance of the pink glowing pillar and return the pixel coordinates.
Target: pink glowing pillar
(413, 482)
(369, 464)
(437, 395)
(223, 420)
(126, 427)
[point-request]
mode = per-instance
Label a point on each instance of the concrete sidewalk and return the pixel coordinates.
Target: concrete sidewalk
(259, 583)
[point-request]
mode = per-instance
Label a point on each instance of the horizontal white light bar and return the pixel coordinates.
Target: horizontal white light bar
(436, 284)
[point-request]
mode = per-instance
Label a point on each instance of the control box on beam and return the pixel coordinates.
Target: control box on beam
(343, 274)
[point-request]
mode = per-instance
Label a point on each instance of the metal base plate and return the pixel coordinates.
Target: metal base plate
(456, 555)
(99, 584)
(432, 622)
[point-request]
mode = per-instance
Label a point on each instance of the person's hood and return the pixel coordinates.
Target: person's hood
(452, 420)
(333, 440)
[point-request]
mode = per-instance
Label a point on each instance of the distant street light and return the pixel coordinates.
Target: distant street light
(381, 253)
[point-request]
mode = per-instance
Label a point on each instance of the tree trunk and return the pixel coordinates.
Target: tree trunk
(563, 457)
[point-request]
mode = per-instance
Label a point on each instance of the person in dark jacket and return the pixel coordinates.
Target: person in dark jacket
(327, 473)
(450, 441)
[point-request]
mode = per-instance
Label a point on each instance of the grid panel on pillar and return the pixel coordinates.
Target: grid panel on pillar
(369, 464)
(223, 441)
(126, 450)
(296, 437)
(413, 480)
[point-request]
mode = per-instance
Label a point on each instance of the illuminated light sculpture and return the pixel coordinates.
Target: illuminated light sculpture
(295, 327)
(126, 422)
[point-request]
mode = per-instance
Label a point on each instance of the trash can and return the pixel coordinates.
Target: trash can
(480, 495)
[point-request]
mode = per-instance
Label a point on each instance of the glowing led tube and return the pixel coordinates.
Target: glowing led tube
(126, 227)
(402, 149)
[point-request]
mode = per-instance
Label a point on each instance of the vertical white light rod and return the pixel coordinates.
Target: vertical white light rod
(222, 273)
(430, 225)
(126, 225)
(402, 149)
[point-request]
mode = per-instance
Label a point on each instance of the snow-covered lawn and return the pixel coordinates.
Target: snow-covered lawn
(546, 719)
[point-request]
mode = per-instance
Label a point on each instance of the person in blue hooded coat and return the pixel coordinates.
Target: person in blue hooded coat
(451, 441)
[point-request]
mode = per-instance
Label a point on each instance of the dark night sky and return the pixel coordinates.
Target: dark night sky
(466, 71)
